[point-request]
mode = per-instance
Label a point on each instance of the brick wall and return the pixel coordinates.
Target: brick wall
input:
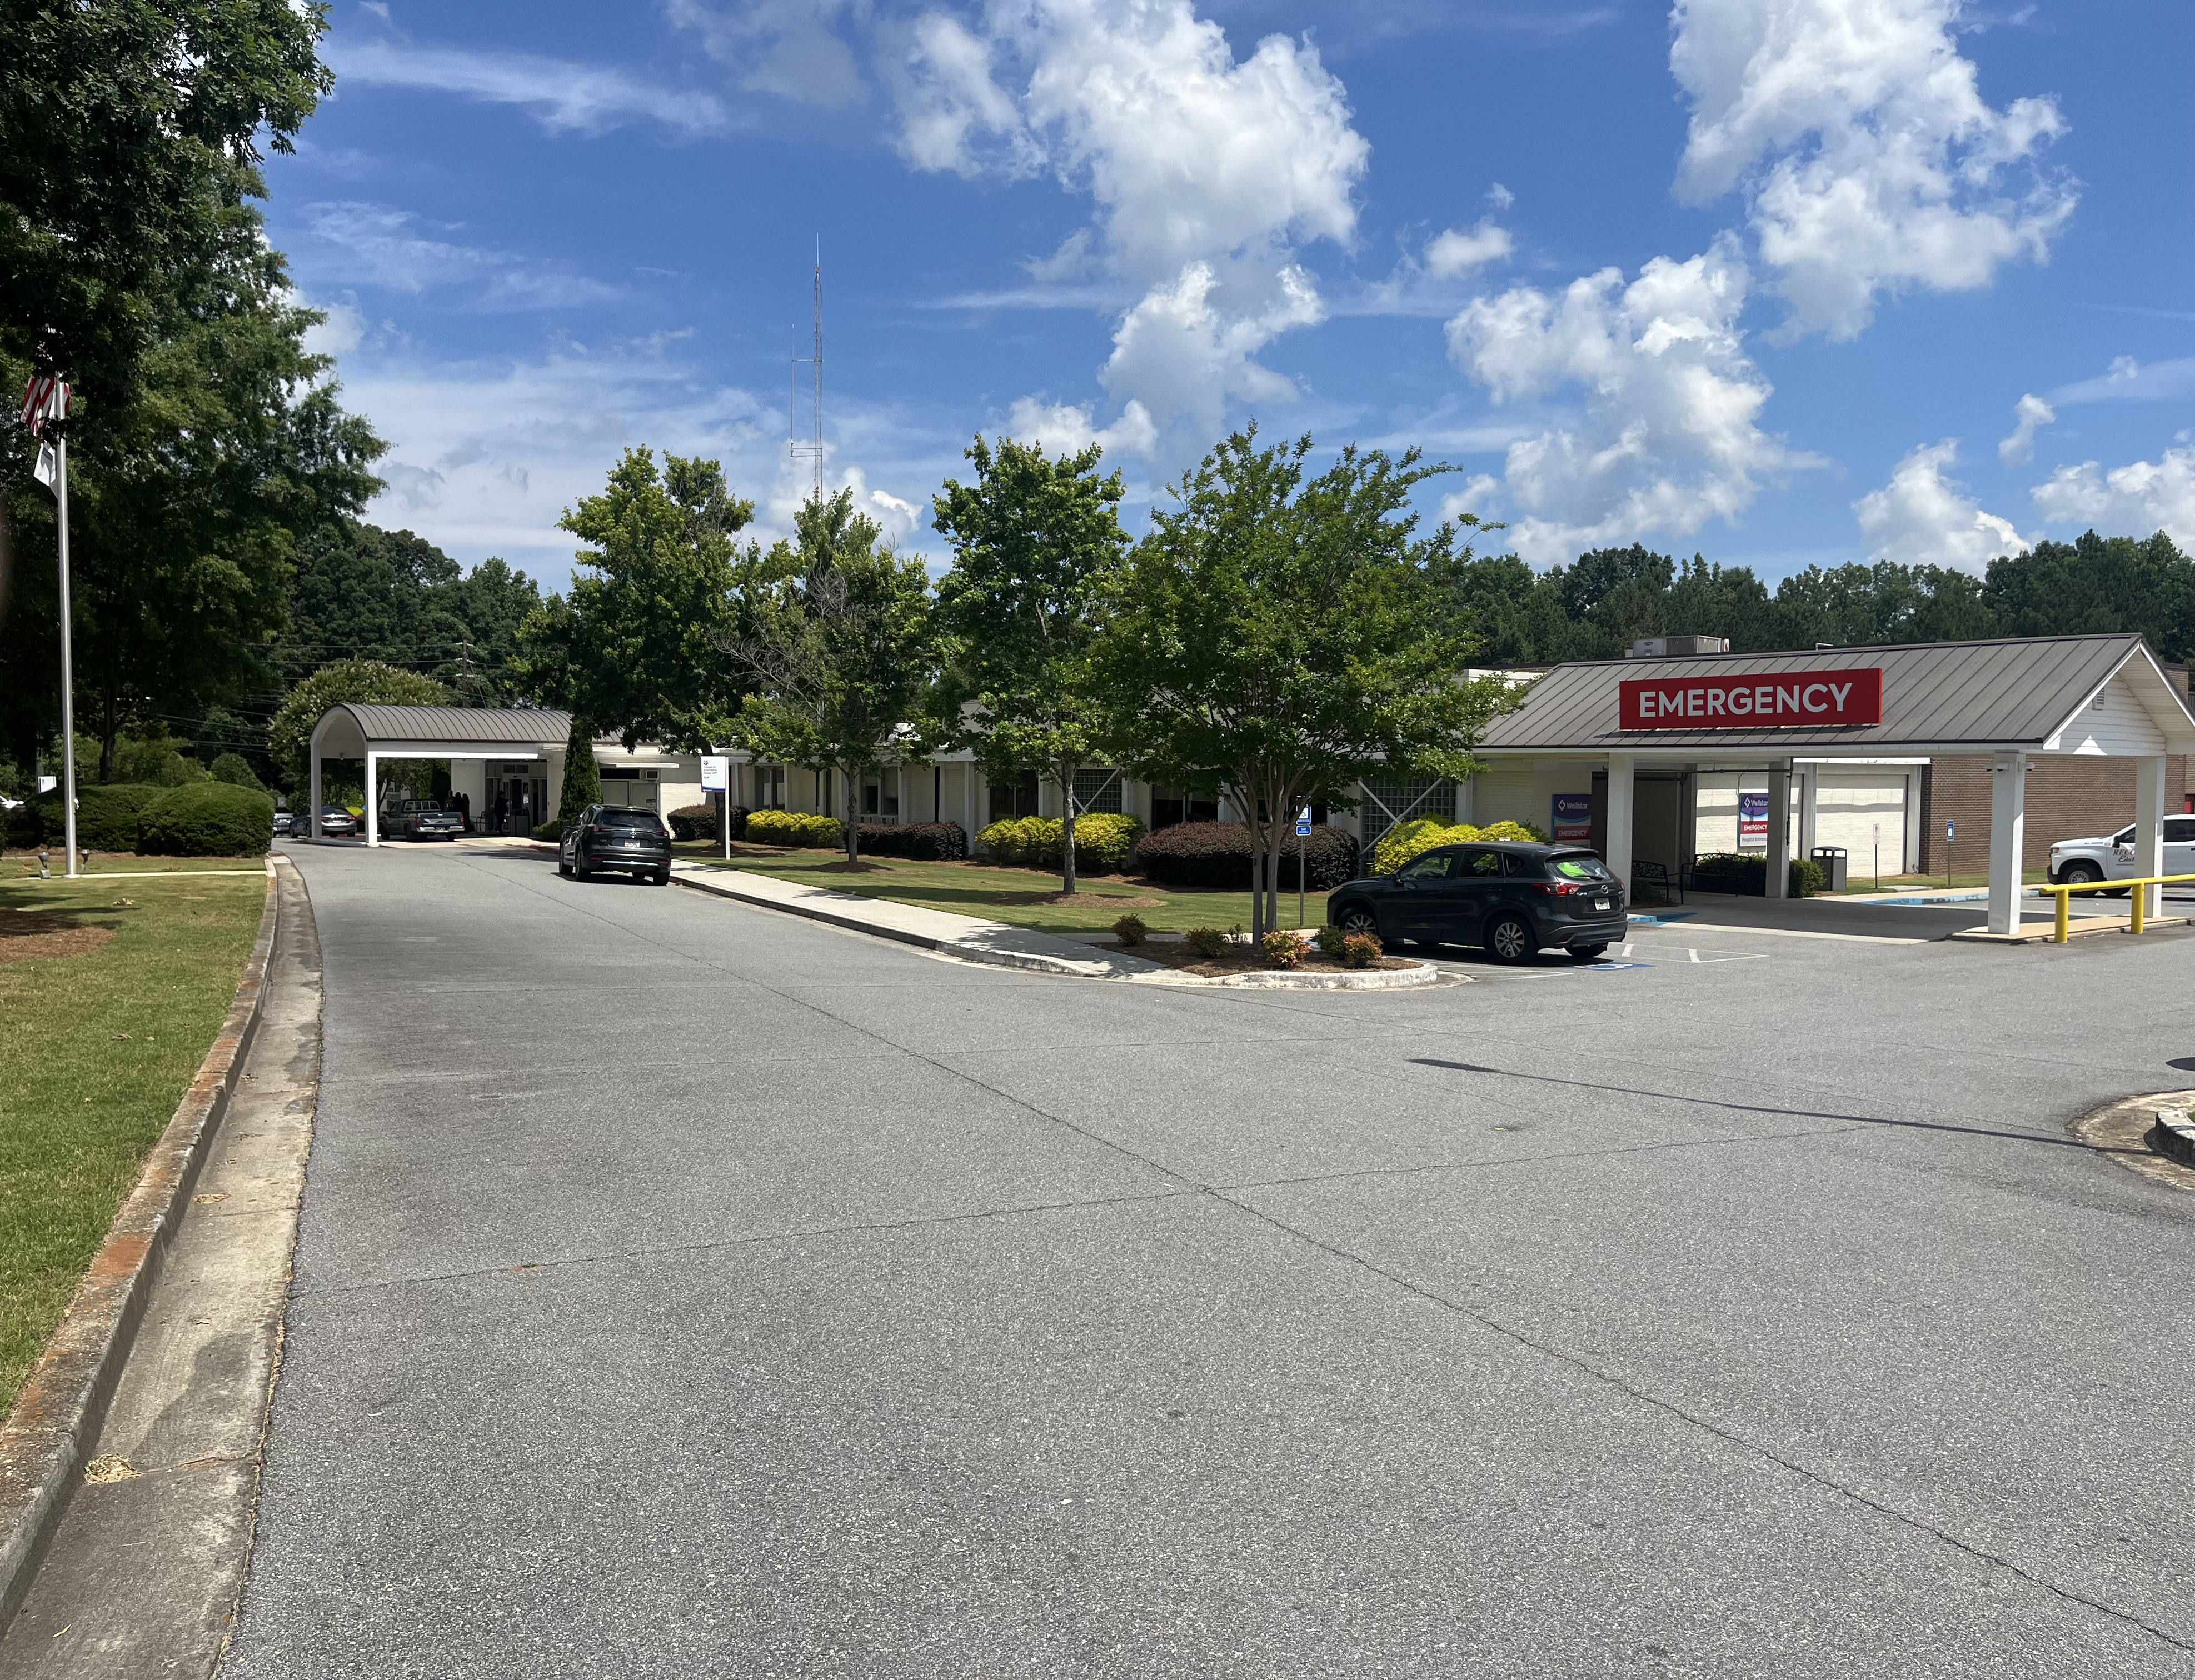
(2066, 797)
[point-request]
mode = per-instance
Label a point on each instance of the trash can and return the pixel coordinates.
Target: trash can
(1834, 867)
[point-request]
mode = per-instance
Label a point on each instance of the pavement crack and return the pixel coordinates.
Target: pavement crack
(1708, 1426)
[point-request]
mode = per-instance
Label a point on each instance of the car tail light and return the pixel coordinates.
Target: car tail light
(1564, 889)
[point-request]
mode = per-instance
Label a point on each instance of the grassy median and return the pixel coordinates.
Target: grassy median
(109, 997)
(1027, 898)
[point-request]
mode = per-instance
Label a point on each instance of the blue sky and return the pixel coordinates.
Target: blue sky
(1782, 281)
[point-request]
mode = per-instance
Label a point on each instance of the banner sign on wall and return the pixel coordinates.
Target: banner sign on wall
(1753, 822)
(1573, 819)
(1804, 700)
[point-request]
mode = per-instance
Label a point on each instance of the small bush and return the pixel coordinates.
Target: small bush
(1328, 939)
(694, 822)
(1104, 841)
(1130, 929)
(928, 842)
(551, 830)
(232, 769)
(1360, 951)
(1807, 878)
(1206, 942)
(1285, 948)
(207, 820)
(1217, 854)
(1414, 838)
(107, 816)
(794, 828)
(1742, 873)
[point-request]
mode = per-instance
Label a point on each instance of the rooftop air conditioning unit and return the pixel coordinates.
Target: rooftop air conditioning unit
(1677, 647)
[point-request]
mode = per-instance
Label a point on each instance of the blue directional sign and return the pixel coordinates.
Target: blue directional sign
(1303, 820)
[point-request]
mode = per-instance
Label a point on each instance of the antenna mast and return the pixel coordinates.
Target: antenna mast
(811, 450)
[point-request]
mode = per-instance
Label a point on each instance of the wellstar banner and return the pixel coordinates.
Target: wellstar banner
(1804, 700)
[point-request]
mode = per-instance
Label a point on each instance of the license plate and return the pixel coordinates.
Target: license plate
(1600, 904)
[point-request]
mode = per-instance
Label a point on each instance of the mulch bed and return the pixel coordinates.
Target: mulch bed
(1244, 960)
(28, 934)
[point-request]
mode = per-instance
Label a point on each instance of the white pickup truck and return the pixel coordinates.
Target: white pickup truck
(2110, 857)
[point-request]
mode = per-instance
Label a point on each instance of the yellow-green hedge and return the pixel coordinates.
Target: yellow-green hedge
(794, 828)
(1421, 835)
(1102, 842)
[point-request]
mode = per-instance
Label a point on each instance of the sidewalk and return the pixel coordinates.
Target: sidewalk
(967, 937)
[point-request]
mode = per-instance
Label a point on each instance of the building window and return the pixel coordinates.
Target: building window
(1171, 805)
(1387, 803)
(1096, 791)
(1017, 798)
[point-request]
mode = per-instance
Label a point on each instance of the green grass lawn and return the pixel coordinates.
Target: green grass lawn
(95, 1051)
(1962, 879)
(1015, 895)
(19, 865)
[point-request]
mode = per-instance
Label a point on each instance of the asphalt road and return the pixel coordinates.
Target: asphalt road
(688, 1290)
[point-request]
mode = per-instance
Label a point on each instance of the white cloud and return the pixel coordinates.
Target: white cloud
(1922, 517)
(1668, 437)
(1457, 252)
(2130, 501)
(1871, 161)
(380, 246)
(790, 47)
(2129, 381)
(1063, 429)
(1207, 173)
(2030, 412)
(562, 96)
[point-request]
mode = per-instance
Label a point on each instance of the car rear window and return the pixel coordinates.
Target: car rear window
(1579, 866)
(641, 819)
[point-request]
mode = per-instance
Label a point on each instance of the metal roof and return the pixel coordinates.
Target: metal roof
(1947, 696)
(458, 723)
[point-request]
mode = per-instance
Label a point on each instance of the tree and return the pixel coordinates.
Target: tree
(357, 682)
(1286, 636)
(637, 647)
(583, 776)
(2097, 583)
(1036, 544)
(231, 767)
(837, 637)
(128, 137)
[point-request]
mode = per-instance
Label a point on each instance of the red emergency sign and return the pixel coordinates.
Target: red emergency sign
(1804, 700)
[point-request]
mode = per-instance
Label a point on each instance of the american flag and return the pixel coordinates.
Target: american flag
(45, 398)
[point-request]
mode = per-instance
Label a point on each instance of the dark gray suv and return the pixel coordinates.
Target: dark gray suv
(617, 836)
(1511, 897)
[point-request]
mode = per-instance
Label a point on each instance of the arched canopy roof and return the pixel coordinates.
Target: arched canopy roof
(351, 730)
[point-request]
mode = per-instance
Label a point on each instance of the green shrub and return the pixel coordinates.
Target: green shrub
(1285, 948)
(694, 822)
(1807, 878)
(107, 816)
(1421, 835)
(1328, 939)
(930, 841)
(1360, 951)
(794, 828)
(1742, 873)
(232, 769)
(1130, 929)
(1102, 842)
(1206, 942)
(551, 830)
(1217, 855)
(207, 820)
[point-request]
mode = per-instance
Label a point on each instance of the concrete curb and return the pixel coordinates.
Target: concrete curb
(1283, 979)
(2172, 1135)
(58, 1412)
(2132, 1133)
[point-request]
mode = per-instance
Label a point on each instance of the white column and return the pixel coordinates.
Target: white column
(372, 799)
(1810, 789)
(1618, 828)
(2008, 838)
(313, 822)
(1908, 859)
(1779, 830)
(968, 802)
(2149, 828)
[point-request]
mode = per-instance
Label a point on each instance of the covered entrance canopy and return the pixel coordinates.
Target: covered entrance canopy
(373, 732)
(2014, 700)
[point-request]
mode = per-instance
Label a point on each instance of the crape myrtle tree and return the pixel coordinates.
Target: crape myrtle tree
(1283, 636)
(1036, 542)
(356, 682)
(635, 649)
(838, 639)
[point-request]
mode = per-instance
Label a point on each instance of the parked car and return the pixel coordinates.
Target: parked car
(335, 820)
(420, 820)
(2111, 857)
(616, 836)
(1514, 898)
(285, 823)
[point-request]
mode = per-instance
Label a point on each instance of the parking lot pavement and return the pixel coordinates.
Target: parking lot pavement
(686, 1289)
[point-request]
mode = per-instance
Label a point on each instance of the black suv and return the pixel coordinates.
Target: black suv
(617, 836)
(1511, 897)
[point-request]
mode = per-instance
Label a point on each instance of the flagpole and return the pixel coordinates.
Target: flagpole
(68, 674)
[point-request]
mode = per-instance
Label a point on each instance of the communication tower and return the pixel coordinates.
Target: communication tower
(809, 448)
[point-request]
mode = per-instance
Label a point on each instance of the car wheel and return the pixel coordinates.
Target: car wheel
(563, 868)
(663, 876)
(1587, 953)
(2079, 875)
(1357, 918)
(579, 871)
(1510, 940)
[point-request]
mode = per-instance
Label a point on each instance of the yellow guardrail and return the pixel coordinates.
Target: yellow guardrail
(2139, 899)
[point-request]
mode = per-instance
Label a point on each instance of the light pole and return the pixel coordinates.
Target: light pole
(47, 399)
